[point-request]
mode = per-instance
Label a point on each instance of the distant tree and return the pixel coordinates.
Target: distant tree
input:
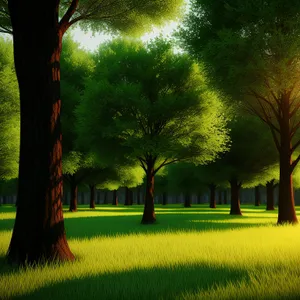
(9, 113)
(37, 39)
(251, 50)
(151, 105)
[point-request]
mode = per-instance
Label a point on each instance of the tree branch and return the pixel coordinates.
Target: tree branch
(64, 23)
(294, 163)
(165, 163)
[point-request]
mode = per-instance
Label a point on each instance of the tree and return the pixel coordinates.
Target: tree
(150, 105)
(37, 47)
(9, 114)
(251, 52)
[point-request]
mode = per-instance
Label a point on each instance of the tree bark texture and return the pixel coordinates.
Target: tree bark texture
(149, 214)
(257, 196)
(115, 198)
(187, 200)
(286, 203)
(92, 195)
(212, 201)
(39, 232)
(235, 208)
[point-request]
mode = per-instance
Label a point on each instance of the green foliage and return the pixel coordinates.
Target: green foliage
(147, 101)
(9, 113)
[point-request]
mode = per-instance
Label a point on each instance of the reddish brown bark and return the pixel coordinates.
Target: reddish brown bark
(187, 200)
(74, 193)
(270, 195)
(92, 195)
(164, 198)
(286, 203)
(115, 198)
(149, 214)
(39, 233)
(235, 208)
(257, 196)
(212, 201)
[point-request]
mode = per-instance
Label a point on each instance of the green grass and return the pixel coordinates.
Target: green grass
(191, 253)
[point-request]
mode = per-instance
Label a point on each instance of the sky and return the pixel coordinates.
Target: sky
(91, 43)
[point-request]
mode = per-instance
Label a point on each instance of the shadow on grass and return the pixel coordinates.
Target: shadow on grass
(168, 220)
(154, 283)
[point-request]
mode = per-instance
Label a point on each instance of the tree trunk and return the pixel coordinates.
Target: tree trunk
(212, 202)
(270, 195)
(235, 197)
(127, 196)
(149, 214)
(257, 196)
(74, 193)
(220, 197)
(187, 200)
(92, 195)
(138, 195)
(39, 232)
(105, 201)
(286, 203)
(225, 197)
(165, 198)
(115, 198)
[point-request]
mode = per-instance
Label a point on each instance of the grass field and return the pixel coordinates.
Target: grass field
(191, 253)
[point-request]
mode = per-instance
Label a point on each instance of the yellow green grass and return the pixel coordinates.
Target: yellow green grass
(192, 253)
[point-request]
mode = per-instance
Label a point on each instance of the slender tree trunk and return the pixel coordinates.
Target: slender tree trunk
(257, 196)
(74, 193)
(138, 195)
(165, 198)
(39, 233)
(225, 197)
(149, 214)
(220, 196)
(286, 203)
(212, 202)
(270, 195)
(235, 197)
(127, 196)
(198, 198)
(105, 201)
(92, 195)
(187, 200)
(115, 198)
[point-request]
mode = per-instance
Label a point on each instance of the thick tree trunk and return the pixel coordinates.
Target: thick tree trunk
(220, 197)
(138, 195)
(235, 197)
(212, 201)
(149, 214)
(286, 203)
(187, 200)
(105, 201)
(92, 195)
(39, 233)
(74, 194)
(115, 198)
(257, 196)
(225, 197)
(165, 198)
(270, 195)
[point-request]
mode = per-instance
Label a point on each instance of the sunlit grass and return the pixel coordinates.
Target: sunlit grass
(195, 253)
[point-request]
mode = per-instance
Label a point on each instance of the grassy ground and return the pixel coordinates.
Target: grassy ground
(191, 253)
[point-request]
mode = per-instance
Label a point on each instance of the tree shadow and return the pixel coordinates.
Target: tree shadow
(152, 283)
